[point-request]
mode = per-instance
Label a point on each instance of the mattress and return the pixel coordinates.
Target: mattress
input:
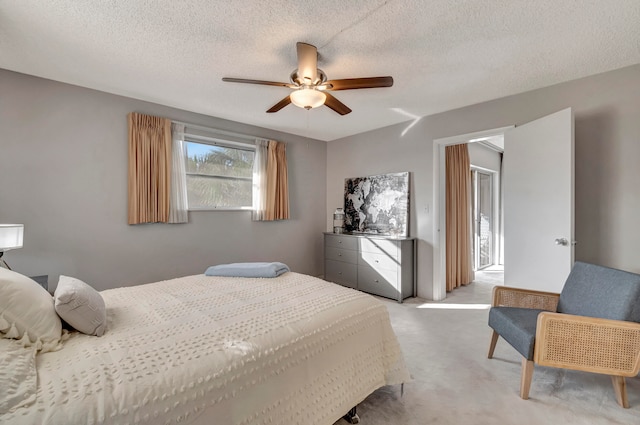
(217, 350)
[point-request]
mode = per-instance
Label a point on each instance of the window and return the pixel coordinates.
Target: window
(219, 174)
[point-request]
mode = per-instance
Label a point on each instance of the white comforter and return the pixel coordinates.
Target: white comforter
(213, 350)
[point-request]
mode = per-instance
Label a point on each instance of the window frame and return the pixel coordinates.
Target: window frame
(225, 143)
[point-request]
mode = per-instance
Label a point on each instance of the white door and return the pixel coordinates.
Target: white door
(538, 192)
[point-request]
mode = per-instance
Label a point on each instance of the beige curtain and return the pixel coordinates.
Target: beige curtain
(277, 205)
(149, 168)
(459, 261)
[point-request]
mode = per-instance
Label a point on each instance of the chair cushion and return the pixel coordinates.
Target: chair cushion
(598, 291)
(517, 326)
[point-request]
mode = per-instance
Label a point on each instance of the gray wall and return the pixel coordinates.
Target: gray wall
(607, 152)
(63, 173)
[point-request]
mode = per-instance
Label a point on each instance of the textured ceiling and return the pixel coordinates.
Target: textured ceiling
(443, 54)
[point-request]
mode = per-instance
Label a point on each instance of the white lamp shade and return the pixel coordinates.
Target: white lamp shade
(308, 98)
(11, 236)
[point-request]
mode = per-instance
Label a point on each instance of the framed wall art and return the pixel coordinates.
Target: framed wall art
(377, 204)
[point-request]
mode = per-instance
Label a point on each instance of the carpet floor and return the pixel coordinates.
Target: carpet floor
(445, 347)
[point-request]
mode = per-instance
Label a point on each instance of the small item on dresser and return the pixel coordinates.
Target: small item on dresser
(81, 306)
(338, 220)
(274, 269)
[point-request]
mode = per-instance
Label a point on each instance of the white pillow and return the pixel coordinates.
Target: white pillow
(81, 306)
(27, 312)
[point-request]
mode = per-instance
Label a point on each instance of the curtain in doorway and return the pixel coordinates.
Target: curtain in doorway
(458, 212)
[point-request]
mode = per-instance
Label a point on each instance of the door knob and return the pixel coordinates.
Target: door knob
(562, 241)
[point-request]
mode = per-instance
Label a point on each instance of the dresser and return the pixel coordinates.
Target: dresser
(373, 264)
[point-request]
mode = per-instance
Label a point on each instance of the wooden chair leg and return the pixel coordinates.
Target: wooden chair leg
(620, 387)
(492, 344)
(525, 378)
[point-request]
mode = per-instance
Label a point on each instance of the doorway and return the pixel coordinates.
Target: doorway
(486, 225)
(492, 139)
(543, 221)
(483, 218)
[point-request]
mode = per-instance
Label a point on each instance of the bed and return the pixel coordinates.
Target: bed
(215, 350)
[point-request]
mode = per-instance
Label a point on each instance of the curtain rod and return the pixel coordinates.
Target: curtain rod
(215, 130)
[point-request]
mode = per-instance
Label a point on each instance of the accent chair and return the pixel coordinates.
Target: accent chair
(592, 325)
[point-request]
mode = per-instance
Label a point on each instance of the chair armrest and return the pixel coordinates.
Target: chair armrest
(524, 298)
(590, 344)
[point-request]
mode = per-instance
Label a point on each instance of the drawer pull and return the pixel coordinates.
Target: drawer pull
(340, 273)
(376, 281)
(339, 254)
(339, 241)
(377, 261)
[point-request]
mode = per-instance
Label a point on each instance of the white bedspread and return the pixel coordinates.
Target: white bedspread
(214, 350)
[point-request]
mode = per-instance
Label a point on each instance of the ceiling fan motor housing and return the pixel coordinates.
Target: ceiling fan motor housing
(295, 78)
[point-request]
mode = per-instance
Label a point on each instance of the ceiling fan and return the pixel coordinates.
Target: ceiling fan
(310, 84)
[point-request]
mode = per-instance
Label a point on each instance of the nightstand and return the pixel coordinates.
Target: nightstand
(42, 281)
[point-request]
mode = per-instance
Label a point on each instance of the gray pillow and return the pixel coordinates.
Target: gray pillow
(81, 306)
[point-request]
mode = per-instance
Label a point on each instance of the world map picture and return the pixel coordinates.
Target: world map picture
(377, 204)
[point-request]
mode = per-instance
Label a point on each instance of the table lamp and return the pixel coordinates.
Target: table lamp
(10, 238)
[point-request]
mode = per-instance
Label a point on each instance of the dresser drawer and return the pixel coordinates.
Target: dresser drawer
(380, 246)
(346, 274)
(378, 261)
(340, 241)
(339, 254)
(380, 282)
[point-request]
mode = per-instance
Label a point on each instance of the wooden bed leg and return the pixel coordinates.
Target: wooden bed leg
(620, 387)
(492, 344)
(352, 417)
(525, 379)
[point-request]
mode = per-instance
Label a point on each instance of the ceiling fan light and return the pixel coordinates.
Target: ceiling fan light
(308, 98)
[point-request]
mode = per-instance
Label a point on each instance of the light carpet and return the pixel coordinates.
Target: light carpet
(445, 346)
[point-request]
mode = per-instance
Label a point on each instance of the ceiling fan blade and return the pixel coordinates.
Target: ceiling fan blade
(336, 105)
(264, 83)
(284, 102)
(307, 63)
(359, 83)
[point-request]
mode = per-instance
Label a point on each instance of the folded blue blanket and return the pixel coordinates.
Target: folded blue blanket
(248, 270)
